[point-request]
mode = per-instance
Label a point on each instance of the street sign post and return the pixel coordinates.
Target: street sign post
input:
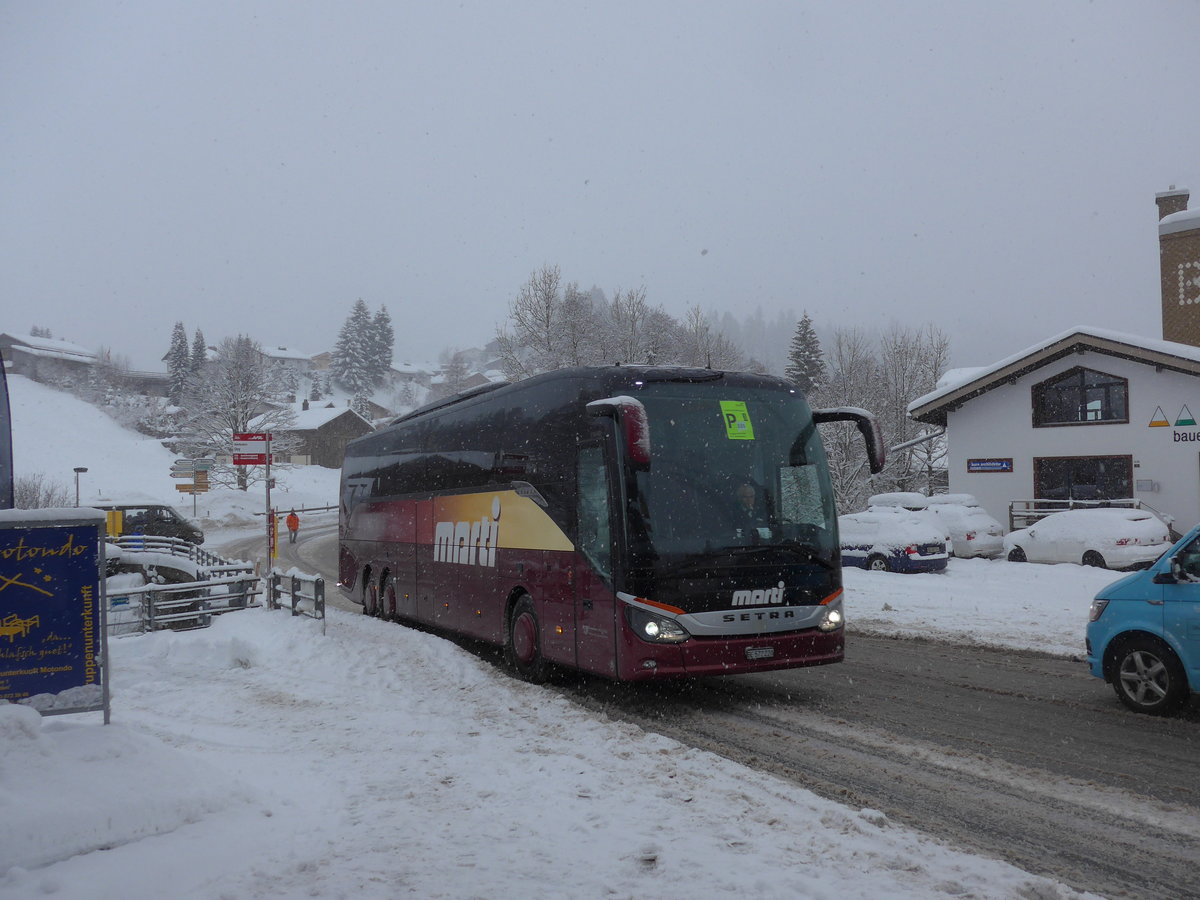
(253, 448)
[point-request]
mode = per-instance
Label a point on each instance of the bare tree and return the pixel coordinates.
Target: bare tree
(628, 317)
(850, 375)
(234, 393)
(910, 362)
(579, 327)
(550, 327)
(36, 491)
(701, 345)
(883, 374)
(533, 345)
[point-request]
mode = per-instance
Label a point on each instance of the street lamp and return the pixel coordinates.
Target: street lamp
(78, 471)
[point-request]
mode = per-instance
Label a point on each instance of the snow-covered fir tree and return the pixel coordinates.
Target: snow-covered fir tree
(179, 364)
(362, 405)
(383, 338)
(806, 363)
(353, 362)
(199, 351)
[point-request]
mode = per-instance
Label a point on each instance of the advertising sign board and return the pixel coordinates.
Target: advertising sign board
(53, 610)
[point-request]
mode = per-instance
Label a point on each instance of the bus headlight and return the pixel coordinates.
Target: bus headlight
(655, 629)
(833, 619)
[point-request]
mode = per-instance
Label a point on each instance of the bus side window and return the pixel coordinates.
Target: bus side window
(595, 535)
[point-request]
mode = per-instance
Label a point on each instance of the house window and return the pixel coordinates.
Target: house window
(1064, 478)
(1081, 397)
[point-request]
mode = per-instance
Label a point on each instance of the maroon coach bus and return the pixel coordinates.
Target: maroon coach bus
(635, 522)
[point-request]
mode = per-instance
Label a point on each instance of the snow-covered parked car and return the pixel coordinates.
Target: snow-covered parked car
(972, 531)
(892, 539)
(917, 503)
(1109, 538)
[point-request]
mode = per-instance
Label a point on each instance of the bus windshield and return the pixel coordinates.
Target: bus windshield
(729, 469)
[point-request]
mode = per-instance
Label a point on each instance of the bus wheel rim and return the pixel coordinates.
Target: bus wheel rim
(524, 639)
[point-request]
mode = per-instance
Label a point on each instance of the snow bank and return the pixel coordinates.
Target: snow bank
(435, 777)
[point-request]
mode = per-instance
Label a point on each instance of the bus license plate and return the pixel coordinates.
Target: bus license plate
(760, 652)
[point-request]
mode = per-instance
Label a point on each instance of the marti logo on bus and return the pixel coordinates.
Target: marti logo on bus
(758, 598)
(468, 543)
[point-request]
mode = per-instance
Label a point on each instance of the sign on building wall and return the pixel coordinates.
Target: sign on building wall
(989, 465)
(52, 610)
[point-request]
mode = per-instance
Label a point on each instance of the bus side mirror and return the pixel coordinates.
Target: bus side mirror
(868, 427)
(634, 425)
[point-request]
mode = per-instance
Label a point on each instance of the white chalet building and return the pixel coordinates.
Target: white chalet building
(1087, 414)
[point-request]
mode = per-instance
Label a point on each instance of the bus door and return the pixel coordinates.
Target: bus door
(595, 596)
(435, 577)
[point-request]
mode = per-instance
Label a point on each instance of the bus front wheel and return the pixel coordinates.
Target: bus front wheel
(522, 647)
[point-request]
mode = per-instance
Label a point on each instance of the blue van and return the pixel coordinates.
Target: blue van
(1143, 634)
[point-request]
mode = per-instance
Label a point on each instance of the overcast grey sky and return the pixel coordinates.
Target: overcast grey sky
(257, 166)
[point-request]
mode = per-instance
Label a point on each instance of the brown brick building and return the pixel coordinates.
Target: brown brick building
(1179, 255)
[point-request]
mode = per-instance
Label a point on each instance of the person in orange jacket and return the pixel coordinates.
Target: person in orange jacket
(293, 525)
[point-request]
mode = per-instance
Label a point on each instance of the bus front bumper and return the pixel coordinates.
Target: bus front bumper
(732, 655)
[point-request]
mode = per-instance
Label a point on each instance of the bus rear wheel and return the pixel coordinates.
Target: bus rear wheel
(522, 645)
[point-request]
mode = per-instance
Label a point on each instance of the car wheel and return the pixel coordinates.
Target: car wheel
(1149, 678)
(877, 564)
(522, 646)
(1092, 558)
(1016, 554)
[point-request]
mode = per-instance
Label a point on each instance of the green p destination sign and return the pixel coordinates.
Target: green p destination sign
(737, 420)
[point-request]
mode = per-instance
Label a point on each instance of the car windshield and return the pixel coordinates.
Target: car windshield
(735, 469)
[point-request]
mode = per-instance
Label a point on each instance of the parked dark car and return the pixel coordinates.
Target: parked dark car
(147, 517)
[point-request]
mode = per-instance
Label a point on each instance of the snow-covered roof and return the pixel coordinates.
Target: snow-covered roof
(49, 347)
(314, 417)
(932, 407)
(954, 377)
(286, 353)
(317, 415)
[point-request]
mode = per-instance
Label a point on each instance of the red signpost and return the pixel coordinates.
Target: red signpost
(253, 448)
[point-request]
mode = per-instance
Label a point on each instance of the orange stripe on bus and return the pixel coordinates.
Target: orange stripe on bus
(831, 597)
(663, 606)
